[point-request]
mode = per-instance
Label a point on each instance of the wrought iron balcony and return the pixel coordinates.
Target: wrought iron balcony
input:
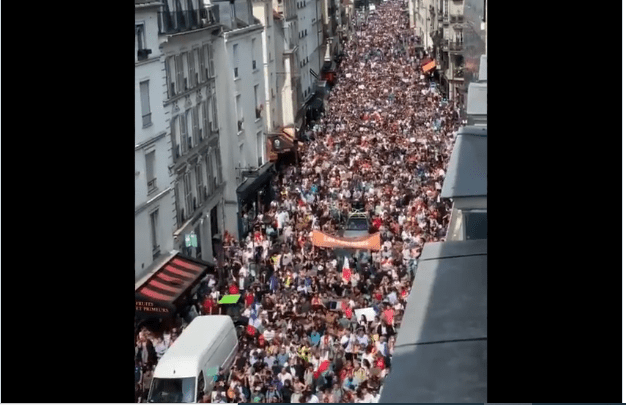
(171, 22)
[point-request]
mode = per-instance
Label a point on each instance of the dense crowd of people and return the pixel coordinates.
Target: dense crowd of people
(382, 145)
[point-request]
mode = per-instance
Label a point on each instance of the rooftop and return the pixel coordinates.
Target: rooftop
(467, 171)
(441, 349)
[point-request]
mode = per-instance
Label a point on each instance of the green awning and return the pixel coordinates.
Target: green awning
(229, 299)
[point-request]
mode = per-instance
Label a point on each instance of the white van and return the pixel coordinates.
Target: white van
(207, 343)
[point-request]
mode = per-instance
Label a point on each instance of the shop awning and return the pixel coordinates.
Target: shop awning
(428, 66)
(317, 103)
(160, 294)
(252, 184)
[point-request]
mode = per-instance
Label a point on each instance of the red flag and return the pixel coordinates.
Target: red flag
(346, 273)
(251, 330)
(346, 308)
(389, 316)
(323, 367)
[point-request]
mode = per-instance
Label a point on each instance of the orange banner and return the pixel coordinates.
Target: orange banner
(371, 242)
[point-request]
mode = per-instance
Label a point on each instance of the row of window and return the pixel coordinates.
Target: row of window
(194, 125)
(303, 33)
(196, 185)
(301, 4)
(236, 58)
(189, 69)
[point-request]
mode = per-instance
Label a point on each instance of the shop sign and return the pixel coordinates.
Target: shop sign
(191, 240)
(147, 306)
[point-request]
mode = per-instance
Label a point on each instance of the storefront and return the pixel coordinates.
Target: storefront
(169, 289)
(253, 196)
(329, 72)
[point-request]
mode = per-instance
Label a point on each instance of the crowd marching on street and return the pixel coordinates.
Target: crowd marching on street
(383, 144)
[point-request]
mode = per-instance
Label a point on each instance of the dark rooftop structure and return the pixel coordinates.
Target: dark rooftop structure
(441, 349)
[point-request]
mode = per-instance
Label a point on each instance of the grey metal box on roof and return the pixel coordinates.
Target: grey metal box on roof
(453, 372)
(439, 250)
(477, 99)
(441, 349)
(466, 175)
(482, 68)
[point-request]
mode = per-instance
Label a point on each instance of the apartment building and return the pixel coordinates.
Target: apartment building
(288, 71)
(264, 12)
(310, 45)
(154, 196)
(242, 95)
(188, 34)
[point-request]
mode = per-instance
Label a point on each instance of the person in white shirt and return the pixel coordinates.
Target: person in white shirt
(269, 334)
(248, 255)
(284, 375)
(367, 397)
(401, 219)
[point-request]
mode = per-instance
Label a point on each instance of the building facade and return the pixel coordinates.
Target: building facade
(188, 37)
(154, 196)
(288, 71)
(264, 12)
(241, 91)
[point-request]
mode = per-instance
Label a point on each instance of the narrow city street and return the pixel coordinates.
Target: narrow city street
(321, 322)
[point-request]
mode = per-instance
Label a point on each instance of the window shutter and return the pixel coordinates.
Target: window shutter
(144, 89)
(194, 115)
(188, 194)
(209, 170)
(185, 67)
(199, 185)
(219, 165)
(175, 140)
(214, 123)
(201, 52)
(189, 119)
(211, 67)
(196, 62)
(183, 132)
(179, 74)
(168, 77)
(192, 68)
(205, 117)
(172, 83)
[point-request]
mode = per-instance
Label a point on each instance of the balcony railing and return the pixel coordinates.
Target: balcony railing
(455, 46)
(184, 20)
(147, 120)
(456, 18)
(152, 185)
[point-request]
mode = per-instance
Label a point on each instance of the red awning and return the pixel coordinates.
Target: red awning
(158, 295)
(427, 67)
